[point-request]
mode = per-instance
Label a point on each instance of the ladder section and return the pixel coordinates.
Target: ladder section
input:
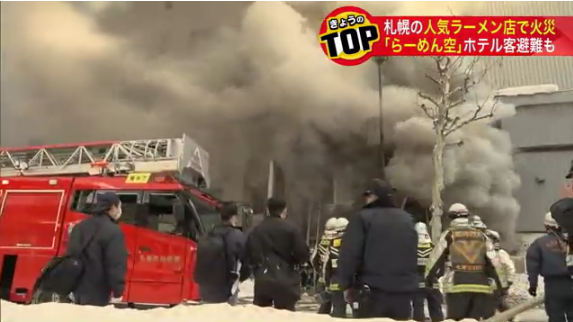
(181, 155)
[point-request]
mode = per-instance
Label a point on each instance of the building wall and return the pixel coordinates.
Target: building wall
(542, 119)
(542, 136)
(523, 71)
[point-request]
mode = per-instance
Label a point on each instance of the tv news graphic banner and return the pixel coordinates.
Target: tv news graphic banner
(350, 36)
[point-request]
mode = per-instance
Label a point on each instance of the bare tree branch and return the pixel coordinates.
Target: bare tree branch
(454, 77)
(434, 80)
(427, 111)
(475, 117)
(430, 99)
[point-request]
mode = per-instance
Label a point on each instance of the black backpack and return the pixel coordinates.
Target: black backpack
(62, 274)
(212, 266)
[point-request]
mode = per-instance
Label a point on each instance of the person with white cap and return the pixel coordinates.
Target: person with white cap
(337, 296)
(506, 270)
(546, 256)
(431, 293)
(468, 290)
(478, 224)
(318, 260)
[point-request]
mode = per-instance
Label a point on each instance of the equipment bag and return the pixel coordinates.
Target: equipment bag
(212, 265)
(62, 274)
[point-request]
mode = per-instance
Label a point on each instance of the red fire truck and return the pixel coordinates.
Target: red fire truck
(45, 190)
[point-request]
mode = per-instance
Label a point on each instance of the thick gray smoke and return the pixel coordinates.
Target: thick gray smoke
(248, 81)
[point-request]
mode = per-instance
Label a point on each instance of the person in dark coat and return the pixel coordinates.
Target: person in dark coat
(105, 256)
(562, 212)
(235, 242)
(275, 248)
(546, 256)
(378, 256)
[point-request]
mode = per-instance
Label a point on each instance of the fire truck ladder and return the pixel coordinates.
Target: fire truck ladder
(183, 156)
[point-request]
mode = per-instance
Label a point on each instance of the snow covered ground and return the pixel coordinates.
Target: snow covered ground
(245, 312)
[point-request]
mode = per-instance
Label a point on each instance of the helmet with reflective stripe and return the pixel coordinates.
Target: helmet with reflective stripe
(458, 210)
(548, 221)
(477, 223)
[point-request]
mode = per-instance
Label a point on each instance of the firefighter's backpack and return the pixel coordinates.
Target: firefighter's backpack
(212, 266)
(62, 274)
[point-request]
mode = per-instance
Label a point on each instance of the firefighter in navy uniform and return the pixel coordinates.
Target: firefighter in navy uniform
(547, 257)
(337, 296)
(467, 285)
(430, 293)
(318, 260)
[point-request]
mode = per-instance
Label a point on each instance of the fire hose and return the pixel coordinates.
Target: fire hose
(514, 311)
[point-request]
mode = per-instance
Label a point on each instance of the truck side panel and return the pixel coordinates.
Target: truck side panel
(31, 215)
(35, 212)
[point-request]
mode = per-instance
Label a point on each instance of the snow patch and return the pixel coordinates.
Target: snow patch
(57, 312)
(528, 90)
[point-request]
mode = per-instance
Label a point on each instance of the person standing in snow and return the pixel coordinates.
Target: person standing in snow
(431, 293)
(562, 212)
(220, 259)
(275, 248)
(506, 271)
(99, 241)
(337, 296)
(467, 285)
(377, 266)
(546, 256)
(318, 260)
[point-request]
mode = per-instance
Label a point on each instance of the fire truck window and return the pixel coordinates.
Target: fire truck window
(128, 207)
(162, 215)
(202, 207)
(129, 204)
(84, 200)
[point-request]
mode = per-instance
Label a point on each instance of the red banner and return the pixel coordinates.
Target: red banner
(350, 36)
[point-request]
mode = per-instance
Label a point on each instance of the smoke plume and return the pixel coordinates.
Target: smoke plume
(248, 81)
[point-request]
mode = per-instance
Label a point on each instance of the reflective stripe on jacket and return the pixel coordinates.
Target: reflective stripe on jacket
(332, 264)
(471, 263)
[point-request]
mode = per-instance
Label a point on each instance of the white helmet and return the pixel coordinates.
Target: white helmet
(330, 224)
(458, 210)
(423, 235)
(493, 234)
(477, 223)
(548, 221)
(421, 228)
(341, 224)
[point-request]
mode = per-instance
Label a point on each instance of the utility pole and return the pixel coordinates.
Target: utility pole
(381, 155)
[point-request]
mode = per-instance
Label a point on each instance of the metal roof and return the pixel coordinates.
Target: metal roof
(522, 71)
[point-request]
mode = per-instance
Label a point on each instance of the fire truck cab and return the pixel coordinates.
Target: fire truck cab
(45, 190)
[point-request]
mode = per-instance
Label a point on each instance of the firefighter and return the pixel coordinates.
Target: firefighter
(431, 294)
(337, 296)
(318, 260)
(562, 212)
(467, 286)
(506, 271)
(547, 257)
(478, 224)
